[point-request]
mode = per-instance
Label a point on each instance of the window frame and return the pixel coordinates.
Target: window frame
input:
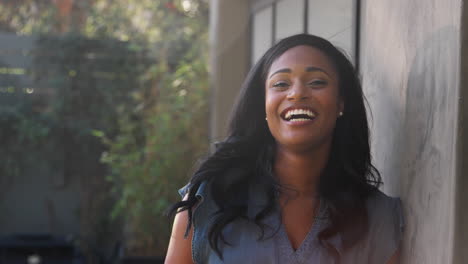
(259, 5)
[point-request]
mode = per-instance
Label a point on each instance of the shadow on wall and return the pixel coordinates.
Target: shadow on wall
(428, 142)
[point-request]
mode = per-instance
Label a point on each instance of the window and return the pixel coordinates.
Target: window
(334, 20)
(262, 32)
(289, 18)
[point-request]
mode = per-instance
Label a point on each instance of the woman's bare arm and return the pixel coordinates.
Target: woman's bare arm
(180, 248)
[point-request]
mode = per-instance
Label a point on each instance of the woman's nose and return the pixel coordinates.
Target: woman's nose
(297, 92)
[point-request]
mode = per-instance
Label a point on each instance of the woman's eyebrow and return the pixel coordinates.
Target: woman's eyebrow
(308, 69)
(285, 70)
(313, 69)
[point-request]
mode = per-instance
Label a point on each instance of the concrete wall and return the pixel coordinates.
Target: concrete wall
(47, 195)
(230, 57)
(410, 62)
(41, 199)
(461, 213)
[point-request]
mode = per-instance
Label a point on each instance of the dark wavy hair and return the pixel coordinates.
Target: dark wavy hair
(245, 158)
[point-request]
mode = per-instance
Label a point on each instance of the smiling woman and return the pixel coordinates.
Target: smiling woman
(302, 80)
(293, 181)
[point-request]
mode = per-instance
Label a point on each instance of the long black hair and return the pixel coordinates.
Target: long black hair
(245, 157)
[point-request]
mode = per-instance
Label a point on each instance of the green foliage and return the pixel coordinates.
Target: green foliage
(158, 140)
(130, 85)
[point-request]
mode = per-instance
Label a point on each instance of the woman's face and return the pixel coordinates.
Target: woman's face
(302, 100)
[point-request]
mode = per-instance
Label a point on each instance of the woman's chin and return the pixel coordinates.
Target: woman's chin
(303, 143)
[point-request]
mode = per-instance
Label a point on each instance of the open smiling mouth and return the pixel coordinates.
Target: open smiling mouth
(299, 115)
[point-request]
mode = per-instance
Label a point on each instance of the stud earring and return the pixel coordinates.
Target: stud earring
(341, 113)
(266, 118)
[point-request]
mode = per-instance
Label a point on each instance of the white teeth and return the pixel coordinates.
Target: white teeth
(299, 119)
(299, 112)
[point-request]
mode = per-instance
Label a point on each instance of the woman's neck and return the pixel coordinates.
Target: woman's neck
(301, 171)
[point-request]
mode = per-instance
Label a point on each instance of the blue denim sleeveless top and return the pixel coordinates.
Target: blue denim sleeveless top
(380, 243)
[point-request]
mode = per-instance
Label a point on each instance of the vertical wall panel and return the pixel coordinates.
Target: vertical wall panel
(261, 32)
(289, 18)
(229, 52)
(410, 62)
(461, 229)
(333, 20)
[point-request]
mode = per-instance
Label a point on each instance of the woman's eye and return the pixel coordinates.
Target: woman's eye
(318, 83)
(280, 84)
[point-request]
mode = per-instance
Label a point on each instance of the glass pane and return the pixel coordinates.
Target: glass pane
(289, 18)
(333, 20)
(261, 32)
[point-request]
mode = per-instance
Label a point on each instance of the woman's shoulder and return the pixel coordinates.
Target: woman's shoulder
(201, 191)
(386, 224)
(384, 210)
